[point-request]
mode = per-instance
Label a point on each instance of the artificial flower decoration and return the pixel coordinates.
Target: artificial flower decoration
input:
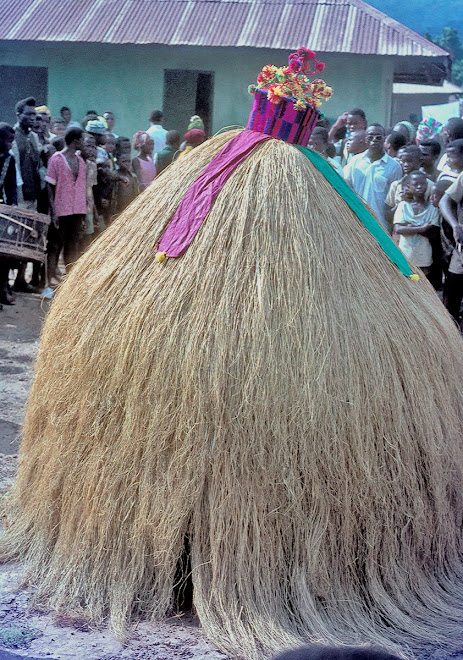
(428, 129)
(294, 81)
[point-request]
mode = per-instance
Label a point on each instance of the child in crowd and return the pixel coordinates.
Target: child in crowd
(170, 152)
(430, 152)
(57, 127)
(97, 128)
(58, 143)
(38, 130)
(44, 112)
(123, 146)
(125, 193)
(454, 152)
(90, 115)
(394, 141)
(143, 164)
(414, 219)
(103, 192)
(410, 160)
(319, 142)
(110, 148)
(88, 153)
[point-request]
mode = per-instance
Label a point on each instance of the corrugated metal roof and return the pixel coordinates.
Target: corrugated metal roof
(348, 26)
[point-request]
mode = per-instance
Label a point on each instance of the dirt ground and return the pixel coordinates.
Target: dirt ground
(28, 635)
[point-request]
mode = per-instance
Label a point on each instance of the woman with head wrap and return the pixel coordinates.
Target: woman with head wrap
(143, 164)
(407, 129)
(193, 138)
(196, 122)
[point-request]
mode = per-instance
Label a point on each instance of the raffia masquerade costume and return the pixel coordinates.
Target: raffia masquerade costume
(274, 386)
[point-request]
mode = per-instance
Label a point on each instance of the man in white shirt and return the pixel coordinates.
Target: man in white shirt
(371, 173)
(156, 131)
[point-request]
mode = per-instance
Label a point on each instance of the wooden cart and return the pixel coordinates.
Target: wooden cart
(23, 234)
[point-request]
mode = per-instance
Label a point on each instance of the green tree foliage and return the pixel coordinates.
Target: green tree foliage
(422, 15)
(428, 17)
(457, 72)
(450, 40)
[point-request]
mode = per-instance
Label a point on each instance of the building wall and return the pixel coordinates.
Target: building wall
(128, 79)
(405, 104)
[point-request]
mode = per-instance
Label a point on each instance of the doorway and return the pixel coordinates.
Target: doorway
(19, 82)
(187, 93)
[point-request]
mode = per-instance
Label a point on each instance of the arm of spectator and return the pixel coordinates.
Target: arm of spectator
(406, 195)
(389, 213)
(402, 226)
(433, 233)
(434, 222)
(391, 202)
(339, 123)
(50, 178)
(348, 174)
(448, 208)
(390, 205)
(410, 230)
(136, 168)
(399, 220)
(120, 177)
(396, 174)
(390, 197)
(51, 203)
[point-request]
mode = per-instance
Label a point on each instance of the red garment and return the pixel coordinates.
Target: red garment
(70, 195)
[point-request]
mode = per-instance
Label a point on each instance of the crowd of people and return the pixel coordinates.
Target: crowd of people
(82, 175)
(410, 177)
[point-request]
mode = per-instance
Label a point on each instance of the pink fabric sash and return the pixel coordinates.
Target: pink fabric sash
(200, 196)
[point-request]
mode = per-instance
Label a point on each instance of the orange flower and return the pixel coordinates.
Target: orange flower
(275, 94)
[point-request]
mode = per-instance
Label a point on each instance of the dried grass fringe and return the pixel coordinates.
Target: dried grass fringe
(281, 394)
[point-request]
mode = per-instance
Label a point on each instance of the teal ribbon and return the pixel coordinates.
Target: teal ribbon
(368, 221)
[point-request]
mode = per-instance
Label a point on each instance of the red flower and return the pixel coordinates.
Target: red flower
(304, 57)
(319, 66)
(294, 66)
(306, 53)
(293, 63)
